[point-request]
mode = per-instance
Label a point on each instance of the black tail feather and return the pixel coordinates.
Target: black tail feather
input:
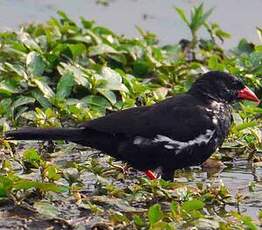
(70, 134)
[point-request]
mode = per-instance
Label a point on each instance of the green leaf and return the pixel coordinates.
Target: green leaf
(51, 187)
(18, 69)
(40, 98)
(94, 100)
(193, 205)
(65, 85)
(249, 223)
(52, 173)
(5, 105)
(22, 100)
(28, 41)
(245, 125)
(141, 67)
(101, 49)
(26, 184)
(7, 88)
(87, 24)
(109, 95)
(182, 15)
(32, 156)
(77, 49)
(35, 64)
(43, 86)
(198, 17)
(5, 185)
(245, 47)
(113, 80)
(79, 77)
(155, 214)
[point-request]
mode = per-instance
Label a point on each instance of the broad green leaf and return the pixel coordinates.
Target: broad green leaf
(101, 49)
(51, 187)
(35, 64)
(77, 49)
(24, 184)
(22, 100)
(245, 47)
(193, 205)
(109, 95)
(18, 69)
(155, 214)
(45, 187)
(32, 156)
(141, 67)
(79, 77)
(52, 172)
(5, 105)
(96, 101)
(113, 80)
(7, 88)
(43, 86)
(40, 98)
(86, 23)
(64, 85)
(82, 38)
(28, 41)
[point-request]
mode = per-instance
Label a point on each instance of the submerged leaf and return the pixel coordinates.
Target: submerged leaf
(46, 209)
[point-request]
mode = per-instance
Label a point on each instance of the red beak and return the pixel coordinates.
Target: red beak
(247, 94)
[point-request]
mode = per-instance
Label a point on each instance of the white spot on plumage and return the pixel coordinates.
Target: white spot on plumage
(142, 141)
(201, 139)
(216, 107)
(214, 120)
(208, 110)
(138, 140)
(169, 146)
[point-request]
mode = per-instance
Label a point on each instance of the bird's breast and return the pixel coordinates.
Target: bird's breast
(221, 119)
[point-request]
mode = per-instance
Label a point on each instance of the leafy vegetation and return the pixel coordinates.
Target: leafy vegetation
(60, 73)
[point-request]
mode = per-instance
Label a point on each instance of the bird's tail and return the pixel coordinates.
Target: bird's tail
(69, 134)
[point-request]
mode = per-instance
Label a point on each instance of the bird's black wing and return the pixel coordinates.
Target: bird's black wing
(180, 118)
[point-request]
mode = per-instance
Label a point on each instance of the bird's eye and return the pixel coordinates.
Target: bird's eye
(237, 85)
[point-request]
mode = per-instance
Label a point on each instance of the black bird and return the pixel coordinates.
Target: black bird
(178, 132)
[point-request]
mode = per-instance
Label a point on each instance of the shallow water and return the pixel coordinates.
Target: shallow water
(239, 17)
(237, 178)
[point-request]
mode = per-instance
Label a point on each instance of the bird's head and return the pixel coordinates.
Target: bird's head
(222, 87)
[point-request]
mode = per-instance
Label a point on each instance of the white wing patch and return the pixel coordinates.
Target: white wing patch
(201, 139)
(173, 144)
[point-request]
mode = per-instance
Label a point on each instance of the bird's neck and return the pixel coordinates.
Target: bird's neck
(205, 96)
